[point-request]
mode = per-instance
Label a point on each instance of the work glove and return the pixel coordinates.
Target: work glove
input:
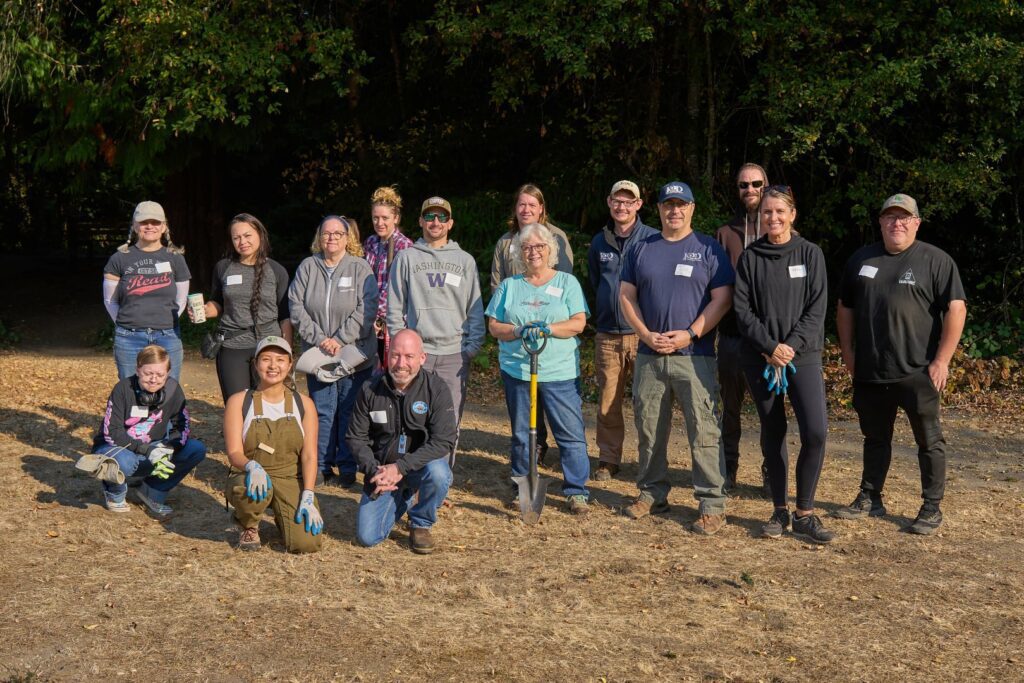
(778, 378)
(102, 467)
(160, 458)
(535, 330)
(308, 515)
(257, 482)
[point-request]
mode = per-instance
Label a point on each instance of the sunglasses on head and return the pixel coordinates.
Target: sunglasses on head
(756, 184)
(441, 217)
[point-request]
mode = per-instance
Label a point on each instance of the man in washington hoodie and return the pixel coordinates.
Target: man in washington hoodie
(434, 288)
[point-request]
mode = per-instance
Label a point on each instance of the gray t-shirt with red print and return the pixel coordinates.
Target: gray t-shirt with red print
(146, 293)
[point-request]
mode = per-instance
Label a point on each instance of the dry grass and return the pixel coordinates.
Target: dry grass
(88, 594)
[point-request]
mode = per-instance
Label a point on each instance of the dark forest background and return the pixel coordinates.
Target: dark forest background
(291, 110)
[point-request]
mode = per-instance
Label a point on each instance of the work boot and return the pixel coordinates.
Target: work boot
(578, 505)
(605, 471)
(929, 518)
(864, 505)
(346, 479)
(777, 524)
(249, 540)
(420, 540)
(810, 528)
(642, 507)
(707, 525)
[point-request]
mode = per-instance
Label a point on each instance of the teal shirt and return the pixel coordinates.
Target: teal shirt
(518, 302)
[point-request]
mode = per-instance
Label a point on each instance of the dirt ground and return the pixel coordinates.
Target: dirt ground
(89, 595)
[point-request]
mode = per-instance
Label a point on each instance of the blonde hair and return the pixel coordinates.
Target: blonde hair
(516, 250)
(533, 191)
(355, 244)
(387, 195)
(152, 354)
(315, 247)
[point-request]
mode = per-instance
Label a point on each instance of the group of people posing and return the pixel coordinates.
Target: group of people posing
(388, 330)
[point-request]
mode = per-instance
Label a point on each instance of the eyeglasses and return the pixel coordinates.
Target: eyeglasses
(329, 236)
(890, 218)
(439, 217)
(623, 202)
(756, 184)
(530, 248)
(337, 235)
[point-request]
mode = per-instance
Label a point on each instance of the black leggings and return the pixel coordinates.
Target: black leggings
(807, 398)
(234, 371)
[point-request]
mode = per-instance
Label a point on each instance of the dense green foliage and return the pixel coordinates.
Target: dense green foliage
(293, 109)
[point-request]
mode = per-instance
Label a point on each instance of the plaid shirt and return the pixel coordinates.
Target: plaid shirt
(377, 256)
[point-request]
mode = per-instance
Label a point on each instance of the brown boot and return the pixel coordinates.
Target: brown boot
(249, 540)
(420, 540)
(643, 507)
(605, 471)
(706, 525)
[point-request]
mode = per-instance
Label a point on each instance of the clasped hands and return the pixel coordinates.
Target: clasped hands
(780, 365)
(668, 342)
(532, 331)
(386, 479)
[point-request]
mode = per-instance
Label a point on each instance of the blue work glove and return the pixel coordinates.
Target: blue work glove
(160, 458)
(536, 330)
(790, 369)
(772, 377)
(308, 515)
(257, 482)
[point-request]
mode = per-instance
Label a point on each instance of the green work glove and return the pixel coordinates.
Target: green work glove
(160, 458)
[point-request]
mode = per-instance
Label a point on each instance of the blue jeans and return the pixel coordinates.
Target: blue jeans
(334, 406)
(564, 410)
(128, 343)
(131, 463)
(376, 517)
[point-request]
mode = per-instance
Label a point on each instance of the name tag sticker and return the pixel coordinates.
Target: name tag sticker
(140, 411)
(868, 271)
(344, 282)
(798, 271)
(403, 444)
(233, 280)
(684, 269)
(553, 291)
(265, 447)
(452, 280)
(163, 267)
(379, 416)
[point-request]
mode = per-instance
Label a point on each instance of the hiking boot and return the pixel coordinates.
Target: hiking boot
(578, 505)
(642, 507)
(249, 540)
(605, 471)
(420, 540)
(158, 510)
(706, 525)
(809, 528)
(864, 505)
(928, 520)
(117, 505)
(777, 524)
(346, 479)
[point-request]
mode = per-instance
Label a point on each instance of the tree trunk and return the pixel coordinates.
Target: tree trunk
(196, 215)
(694, 88)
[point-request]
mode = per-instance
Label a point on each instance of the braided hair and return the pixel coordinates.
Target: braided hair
(262, 256)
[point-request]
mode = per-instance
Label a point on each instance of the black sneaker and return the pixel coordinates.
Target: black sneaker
(777, 524)
(809, 527)
(928, 520)
(862, 506)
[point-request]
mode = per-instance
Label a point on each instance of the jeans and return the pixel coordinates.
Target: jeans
(377, 516)
(564, 409)
(334, 404)
(614, 358)
(128, 343)
(131, 463)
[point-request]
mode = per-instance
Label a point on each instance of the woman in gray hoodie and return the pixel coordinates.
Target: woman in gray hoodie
(333, 303)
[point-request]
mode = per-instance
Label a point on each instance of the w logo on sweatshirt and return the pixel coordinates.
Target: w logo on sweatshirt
(436, 279)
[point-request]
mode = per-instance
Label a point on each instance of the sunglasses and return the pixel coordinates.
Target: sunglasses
(439, 217)
(781, 189)
(756, 184)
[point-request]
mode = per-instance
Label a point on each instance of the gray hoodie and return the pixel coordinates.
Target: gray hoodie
(437, 293)
(342, 305)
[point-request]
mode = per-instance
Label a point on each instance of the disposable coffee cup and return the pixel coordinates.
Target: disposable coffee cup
(198, 308)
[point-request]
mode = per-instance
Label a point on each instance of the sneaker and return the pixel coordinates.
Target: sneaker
(605, 471)
(578, 505)
(706, 525)
(862, 506)
(249, 540)
(810, 528)
(929, 518)
(117, 505)
(777, 524)
(155, 509)
(642, 507)
(346, 479)
(420, 540)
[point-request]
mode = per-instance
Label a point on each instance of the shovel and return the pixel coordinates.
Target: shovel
(533, 488)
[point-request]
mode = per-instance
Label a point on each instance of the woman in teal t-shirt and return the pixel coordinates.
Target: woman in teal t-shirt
(543, 302)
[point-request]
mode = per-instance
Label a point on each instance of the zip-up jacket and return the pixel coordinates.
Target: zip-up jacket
(342, 305)
(140, 428)
(423, 413)
(781, 296)
(605, 269)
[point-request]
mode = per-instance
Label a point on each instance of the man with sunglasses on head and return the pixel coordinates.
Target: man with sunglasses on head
(901, 312)
(735, 236)
(675, 288)
(435, 289)
(616, 341)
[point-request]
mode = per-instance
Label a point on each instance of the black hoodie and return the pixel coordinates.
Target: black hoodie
(781, 296)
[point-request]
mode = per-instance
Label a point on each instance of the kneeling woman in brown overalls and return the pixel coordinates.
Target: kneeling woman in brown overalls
(270, 437)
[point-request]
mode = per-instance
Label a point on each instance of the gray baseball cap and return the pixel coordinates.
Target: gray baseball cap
(149, 211)
(274, 341)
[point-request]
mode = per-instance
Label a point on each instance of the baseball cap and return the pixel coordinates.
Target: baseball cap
(900, 201)
(625, 186)
(675, 190)
(436, 203)
(327, 368)
(275, 341)
(149, 211)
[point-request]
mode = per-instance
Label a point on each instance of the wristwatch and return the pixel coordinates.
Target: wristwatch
(693, 335)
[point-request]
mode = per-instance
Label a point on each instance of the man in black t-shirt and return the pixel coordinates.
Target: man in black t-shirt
(900, 316)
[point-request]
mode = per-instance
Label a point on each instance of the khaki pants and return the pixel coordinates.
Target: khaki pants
(614, 358)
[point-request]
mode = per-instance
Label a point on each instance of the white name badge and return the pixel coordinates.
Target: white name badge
(163, 267)
(265, 447)
(452, 280)
(379, 416)
(798, 271)
(344, 282)
(553, 291)
(684, 269)
(868, 271)
(233, 280)
(140, 411)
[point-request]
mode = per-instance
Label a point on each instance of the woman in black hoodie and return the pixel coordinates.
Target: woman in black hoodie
(780, 300)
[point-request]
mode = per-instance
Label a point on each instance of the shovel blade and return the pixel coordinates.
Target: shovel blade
(531, 502)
